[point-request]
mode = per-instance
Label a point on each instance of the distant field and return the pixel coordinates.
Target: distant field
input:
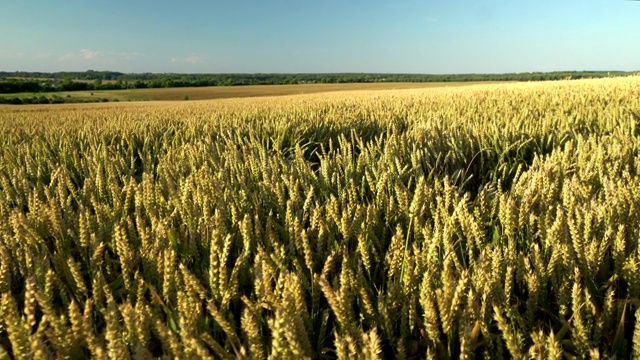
(222, 92)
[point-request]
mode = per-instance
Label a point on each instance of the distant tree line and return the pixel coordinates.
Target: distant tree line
(19, 82)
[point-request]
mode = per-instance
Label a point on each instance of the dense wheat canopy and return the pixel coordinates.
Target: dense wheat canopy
(492, 221)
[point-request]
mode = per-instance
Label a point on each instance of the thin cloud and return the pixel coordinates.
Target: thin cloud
(87, 54)
(194, 59)
(191, 59)
(130, 55)
(66, 57)
(431, 20)
(42, 56)
(13, 55)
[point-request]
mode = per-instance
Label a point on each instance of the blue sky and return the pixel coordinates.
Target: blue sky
(396, 36)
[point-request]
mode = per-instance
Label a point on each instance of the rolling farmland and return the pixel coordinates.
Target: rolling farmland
(221, 92)
(497, 220)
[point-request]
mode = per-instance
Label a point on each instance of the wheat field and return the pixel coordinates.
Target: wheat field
(488, 221)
